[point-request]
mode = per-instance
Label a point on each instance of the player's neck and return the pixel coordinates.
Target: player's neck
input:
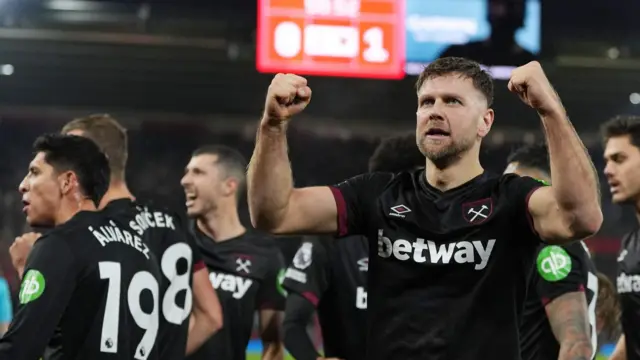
(71, 208)
(453, 175)
(117, 190)
(221, 224)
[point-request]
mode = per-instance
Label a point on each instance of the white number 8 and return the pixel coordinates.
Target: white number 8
(144, 280)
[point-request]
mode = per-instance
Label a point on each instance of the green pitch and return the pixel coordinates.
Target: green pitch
(256, 356)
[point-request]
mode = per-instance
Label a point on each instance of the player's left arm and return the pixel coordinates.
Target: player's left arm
(560, 284)
(567, 316)
(47, 286)
(570, 208)
(271, 302)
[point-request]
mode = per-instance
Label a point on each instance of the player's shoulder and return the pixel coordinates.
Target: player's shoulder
(257, 242)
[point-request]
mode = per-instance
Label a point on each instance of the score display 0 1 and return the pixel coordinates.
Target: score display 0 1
(347, 38)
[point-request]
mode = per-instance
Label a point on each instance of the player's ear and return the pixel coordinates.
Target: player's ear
(68, 182)
(484, 123)
(230, 186)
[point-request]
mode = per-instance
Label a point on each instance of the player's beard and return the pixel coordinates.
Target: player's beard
(442, 156)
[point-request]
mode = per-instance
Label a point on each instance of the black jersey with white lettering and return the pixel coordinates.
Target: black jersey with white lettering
(558, 270)
(447, 270)
(96, 281)
(628, 284)
(246, 272)
(168, 236)
(332, 275)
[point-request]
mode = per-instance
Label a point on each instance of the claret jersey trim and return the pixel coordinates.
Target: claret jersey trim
(421, 251)
(477, 212)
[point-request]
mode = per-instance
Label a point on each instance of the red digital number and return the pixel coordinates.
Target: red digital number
(349, 38)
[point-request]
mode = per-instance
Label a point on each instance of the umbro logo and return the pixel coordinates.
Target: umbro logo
(399, 211)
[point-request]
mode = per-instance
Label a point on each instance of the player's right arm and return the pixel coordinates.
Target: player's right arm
(274, 204)
(47, 286)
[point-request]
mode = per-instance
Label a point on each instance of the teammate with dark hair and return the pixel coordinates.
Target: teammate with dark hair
(245, 267)
(621, 137)
(330, 275)
(186, 289)
(559, 319)
(75, 271)
(450, 245)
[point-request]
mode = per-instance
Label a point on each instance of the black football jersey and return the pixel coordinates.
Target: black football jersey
(447, 270)
(557, 270)
(168, 236)
(628, 283)
(247, 273)
(95, 280)
(332, 274)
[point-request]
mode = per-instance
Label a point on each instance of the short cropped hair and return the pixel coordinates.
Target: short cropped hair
(622, 125)
(396, 154)
(79, 155)
(110, 136)
(462, 67)
(231, 161)
(535, 156)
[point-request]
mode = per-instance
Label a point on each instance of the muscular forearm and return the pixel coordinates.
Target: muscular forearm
(269, 178)
(574, 179)
(567, 316)
(201, 328)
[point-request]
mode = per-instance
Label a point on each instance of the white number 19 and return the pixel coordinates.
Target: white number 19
(140, 281)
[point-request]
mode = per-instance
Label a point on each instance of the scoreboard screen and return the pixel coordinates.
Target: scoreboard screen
(347, 38)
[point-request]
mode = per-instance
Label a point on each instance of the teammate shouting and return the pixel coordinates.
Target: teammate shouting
(244, 266)
(331, 275)
(451, 245)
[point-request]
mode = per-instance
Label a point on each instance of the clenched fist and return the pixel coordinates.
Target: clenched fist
(20, 250)
(530, 83)
(288, 95)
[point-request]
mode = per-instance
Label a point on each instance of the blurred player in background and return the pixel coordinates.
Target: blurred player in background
(6, 307)
(331, 275)
(186, 288)
(621, 136)
(245, 267)
(560, 317)
(75, 273)
(451, 246)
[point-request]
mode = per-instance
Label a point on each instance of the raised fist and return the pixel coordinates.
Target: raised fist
(530, 83)
(288, 95)
(20, 250)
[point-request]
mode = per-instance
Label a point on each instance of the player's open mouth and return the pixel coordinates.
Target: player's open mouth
(25, 206)
(190, 199)
(437, 133)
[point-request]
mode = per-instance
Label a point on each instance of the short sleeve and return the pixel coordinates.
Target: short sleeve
(6, 311)
(355, 199)
(559, 270)
(198, 262)
(47, 286)
(308, 274)
(271, 294)
(518, 190)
